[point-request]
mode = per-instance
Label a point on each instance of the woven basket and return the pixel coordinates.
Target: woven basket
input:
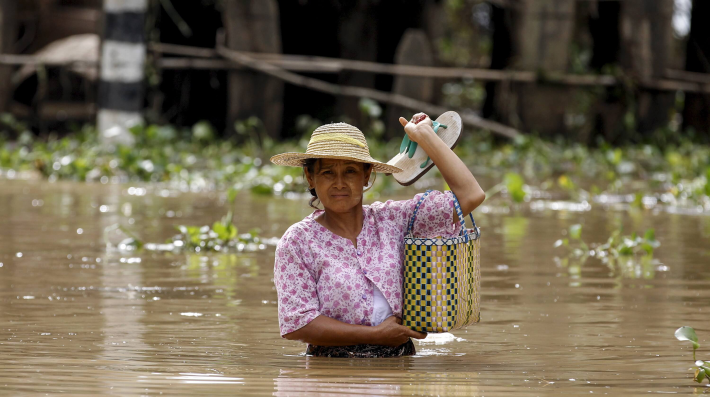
(442, 278)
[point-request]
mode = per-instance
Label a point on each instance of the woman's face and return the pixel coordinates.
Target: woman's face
(339, 183)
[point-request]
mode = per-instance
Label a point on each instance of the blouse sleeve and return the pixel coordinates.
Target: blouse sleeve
(296, 286)
(434, 218)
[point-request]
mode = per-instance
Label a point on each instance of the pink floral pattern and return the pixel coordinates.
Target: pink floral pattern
(317, 272)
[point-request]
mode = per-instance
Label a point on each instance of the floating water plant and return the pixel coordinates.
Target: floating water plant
(702, 372)
(676, 174)
(627, 256)
(513, 184)
(222, 236)
(573, 242)
(617, 245)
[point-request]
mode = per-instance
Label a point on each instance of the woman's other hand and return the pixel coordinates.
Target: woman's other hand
(391, 332)
(417, 130)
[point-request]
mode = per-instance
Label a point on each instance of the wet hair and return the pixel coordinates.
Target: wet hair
(310, 165)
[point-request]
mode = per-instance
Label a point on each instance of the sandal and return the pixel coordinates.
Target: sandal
(413, 161)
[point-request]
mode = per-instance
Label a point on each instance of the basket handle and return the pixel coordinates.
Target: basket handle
(462, 219)
(457, 207)
(414, 214)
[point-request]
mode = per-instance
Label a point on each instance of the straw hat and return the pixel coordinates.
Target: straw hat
(335, 141)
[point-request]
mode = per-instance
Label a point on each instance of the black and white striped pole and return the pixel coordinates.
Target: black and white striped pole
(123, 51)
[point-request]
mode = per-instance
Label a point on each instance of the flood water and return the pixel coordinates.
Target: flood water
(76, 318)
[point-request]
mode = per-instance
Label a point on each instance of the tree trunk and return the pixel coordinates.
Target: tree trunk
(606, 37)
(358, 40)
(414, 49)
(646, 35)
(544, 36)
(253, 25)
(8, 35)
(497, 100)
(696, 114)
(608, 111)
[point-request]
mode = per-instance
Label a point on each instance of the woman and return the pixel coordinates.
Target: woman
(339, 271)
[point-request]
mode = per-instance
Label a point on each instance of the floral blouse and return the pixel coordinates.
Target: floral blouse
(317, 272)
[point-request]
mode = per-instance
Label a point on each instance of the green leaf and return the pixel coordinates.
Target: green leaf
(700, 375)
(565, 182)
(233, 231)
(203, 131)
(647, 247)
(221, 230)
(131, 242)
(227, 218)
(575, 232)
(625, 250)
(650, 235)
(232, 195)
(514, 184)
(261, 189)
(687, 333)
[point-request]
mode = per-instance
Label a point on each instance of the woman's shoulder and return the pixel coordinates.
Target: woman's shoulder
(298, 232)
(389, 210)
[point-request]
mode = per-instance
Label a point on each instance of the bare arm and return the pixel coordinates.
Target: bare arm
(325, 331)
(455, 173)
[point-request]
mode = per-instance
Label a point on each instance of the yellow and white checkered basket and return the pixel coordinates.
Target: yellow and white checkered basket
(442, 278)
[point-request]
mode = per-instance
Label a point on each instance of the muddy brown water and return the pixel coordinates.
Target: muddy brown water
(76, 318)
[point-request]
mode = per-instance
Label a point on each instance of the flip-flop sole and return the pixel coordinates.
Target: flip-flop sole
(411, 167)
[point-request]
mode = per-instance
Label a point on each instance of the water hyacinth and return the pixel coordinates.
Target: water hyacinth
(222, 236)
(702, 372)
(195, 159)
(626, 256)
(198, 239)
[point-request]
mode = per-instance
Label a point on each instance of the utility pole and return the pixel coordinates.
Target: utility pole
(123, 53)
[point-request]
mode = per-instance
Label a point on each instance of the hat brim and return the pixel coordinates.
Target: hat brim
(411, 167)
(293, 159)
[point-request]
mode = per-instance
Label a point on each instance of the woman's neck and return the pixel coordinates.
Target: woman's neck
(344, 224)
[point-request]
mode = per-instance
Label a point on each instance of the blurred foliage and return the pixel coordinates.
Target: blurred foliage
(466, 34)
(676, 173)
(468, 93)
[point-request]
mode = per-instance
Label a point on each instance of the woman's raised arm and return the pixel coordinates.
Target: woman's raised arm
(455, 173)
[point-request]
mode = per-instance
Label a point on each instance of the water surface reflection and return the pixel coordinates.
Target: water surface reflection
(78, 319)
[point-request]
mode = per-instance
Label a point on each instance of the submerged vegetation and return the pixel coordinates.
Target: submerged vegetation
(702, 372)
